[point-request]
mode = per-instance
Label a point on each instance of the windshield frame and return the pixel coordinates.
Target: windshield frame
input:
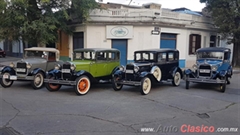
(151, 57)
(213, 57)
(37, 53)
(92, 55)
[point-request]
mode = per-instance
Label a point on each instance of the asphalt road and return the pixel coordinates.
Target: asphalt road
(103, 111)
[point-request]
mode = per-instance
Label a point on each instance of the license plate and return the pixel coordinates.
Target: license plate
(66, 71)
(21, 70)
(5, 76)
(129, 71)
(13, 77)
(204, 71)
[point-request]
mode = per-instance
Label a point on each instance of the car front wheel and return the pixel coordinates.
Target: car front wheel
(115, 85)
(37, 82)
(145, 85)
(176, 79)
(223, 85)
(52, 87)
(5, 82)
(83, 85)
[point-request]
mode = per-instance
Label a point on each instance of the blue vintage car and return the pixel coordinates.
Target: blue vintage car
(212, 66)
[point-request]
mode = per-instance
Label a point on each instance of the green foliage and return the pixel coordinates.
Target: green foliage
(38, 21)
(226, 16)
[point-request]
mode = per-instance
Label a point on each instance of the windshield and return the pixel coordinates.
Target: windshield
(36, 54)
(86, 55)
(210, 55)
(144, 56)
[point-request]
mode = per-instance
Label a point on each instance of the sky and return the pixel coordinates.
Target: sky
(193, 5)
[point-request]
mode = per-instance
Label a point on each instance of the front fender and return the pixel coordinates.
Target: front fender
(187, 71)
(176, 69)
(83, 72)
(54, 72)
(9, 70)
(37, 70)
(222, 73)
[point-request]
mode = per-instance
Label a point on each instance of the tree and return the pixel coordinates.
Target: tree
(38, 21)
(226, 16)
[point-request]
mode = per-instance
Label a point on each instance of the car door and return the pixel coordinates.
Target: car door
(162, 59)
(101, 64)
(51, 61)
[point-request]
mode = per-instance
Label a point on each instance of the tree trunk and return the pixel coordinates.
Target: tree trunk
(236, 54)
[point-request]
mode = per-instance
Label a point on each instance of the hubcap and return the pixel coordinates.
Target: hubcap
(146, 85)
(6, 81)
(83, 85)
(38, 80)
(177, 78)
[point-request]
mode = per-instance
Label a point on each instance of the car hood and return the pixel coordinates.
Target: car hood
(210, 62)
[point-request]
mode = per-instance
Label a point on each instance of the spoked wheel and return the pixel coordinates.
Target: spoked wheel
(83, 85)
(52, 87)
(223, 85)
(176, 79)
(4, 81)
(145, 85)
(115, 85)
(187, 82)
(37, 82)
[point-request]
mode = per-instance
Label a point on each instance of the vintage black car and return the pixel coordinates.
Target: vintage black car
(212, 66)
(149, 66)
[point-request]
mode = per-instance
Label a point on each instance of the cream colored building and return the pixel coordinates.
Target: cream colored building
(130, 28)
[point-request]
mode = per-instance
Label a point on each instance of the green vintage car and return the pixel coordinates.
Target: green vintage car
(89, 65)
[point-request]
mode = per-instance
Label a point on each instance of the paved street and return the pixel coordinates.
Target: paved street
(104, 111)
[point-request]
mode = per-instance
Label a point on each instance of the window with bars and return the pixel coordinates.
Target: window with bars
(194, 43)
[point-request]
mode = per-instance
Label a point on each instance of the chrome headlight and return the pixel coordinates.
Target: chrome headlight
(57, 67)
(29, 65)
(12, 65)
(214, 68)
(136, 68)
(73, 67)
(121, 68)
(195, 67)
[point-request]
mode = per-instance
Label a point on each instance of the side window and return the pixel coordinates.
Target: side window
(51, 56)
(176, 56)
(112, 56)
(102, 56)
(170, 56)
(138, 56)
(162, 57)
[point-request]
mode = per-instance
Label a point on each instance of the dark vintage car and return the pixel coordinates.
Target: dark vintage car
(31, 68)
(89, 65)
(212, 66)
(149, 66)
(2, 53)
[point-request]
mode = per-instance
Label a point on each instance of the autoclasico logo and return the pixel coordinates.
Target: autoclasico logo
(119, 31)
(195, 129)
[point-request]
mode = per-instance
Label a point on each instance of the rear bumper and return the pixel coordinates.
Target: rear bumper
(205, 80)
(62, 82)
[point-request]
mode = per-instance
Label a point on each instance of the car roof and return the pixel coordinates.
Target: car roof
(42, 49)
(96, 49)
(158, 50)
(217, 49)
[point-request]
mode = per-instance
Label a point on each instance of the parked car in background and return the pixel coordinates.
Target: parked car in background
(89, 65)
(149, 66)
(2, 53)
(212, 66)
(32, 67)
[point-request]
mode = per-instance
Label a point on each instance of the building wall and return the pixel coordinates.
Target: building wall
(1, 44)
